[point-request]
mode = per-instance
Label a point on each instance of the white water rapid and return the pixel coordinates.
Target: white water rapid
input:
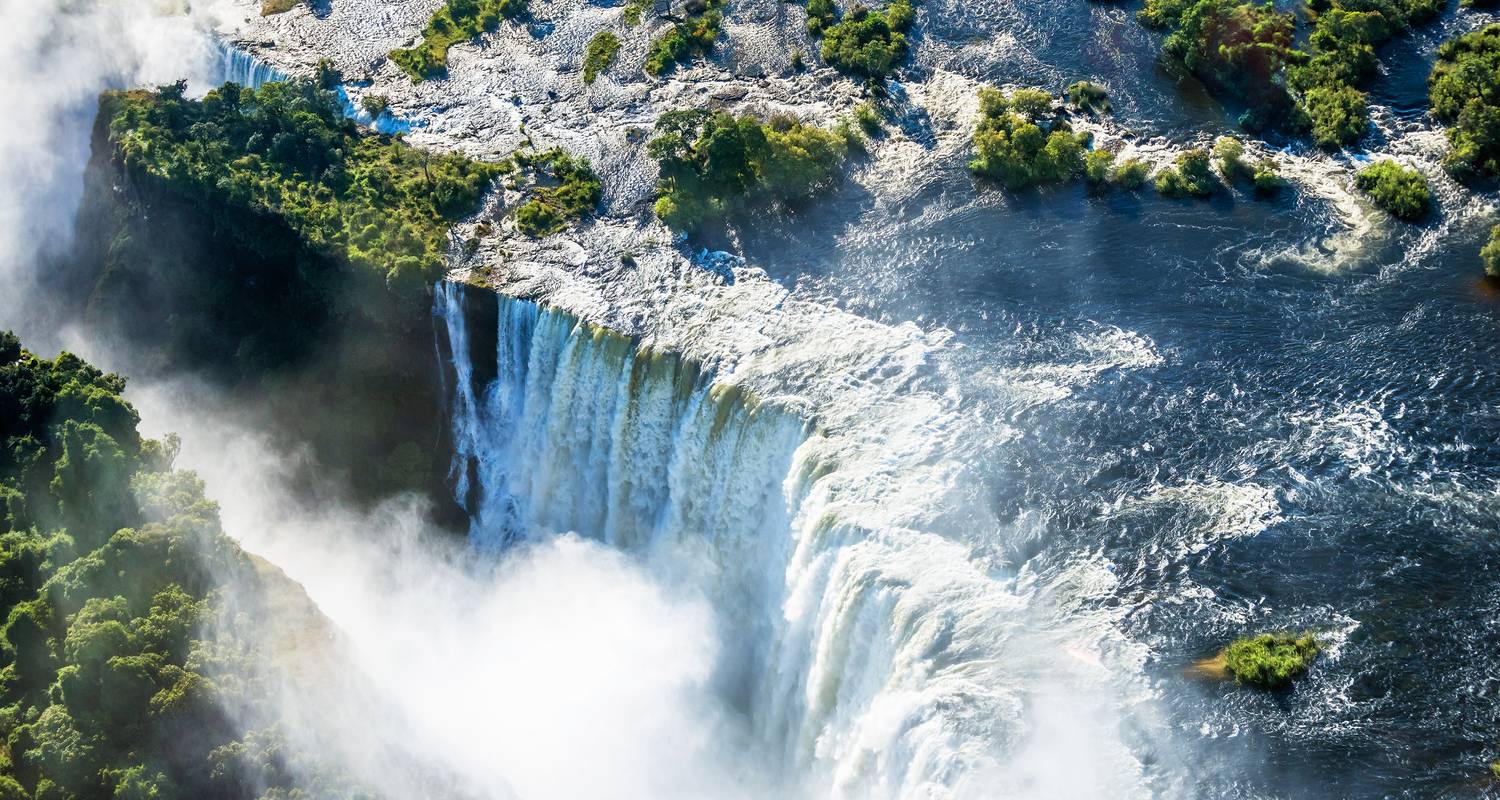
(870, 662)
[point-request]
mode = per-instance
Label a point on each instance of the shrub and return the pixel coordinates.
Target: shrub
(599, 55)
(1464, 89)
(1490, 253)
(1270, 661)
(1402, 192)
(865, 42)
(1190, 176)
(693, 38)
(1012, 145)
(1229, 152)
(1235, 47)
(1267, 177)
(868, 119)
(715, 164)
(1097, 165)
(374, 104)
(821, 14)
(1336, 114)
(1131, 174)
(633, 10)
(457, 21)
(564, 188)
(1090, 97)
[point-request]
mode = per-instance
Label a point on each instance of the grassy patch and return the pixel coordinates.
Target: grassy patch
(633, 11)
(1020, 141)
(457, 21)
(286, 150)
(1270, 660)
(599, 55)
(715, 164)
(1402, 192)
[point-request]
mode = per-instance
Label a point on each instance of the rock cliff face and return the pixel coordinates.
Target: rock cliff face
(319, 353)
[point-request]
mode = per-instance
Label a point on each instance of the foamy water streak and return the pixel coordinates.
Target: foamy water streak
(873, 660)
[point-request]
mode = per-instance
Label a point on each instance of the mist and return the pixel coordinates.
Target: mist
(563, 670)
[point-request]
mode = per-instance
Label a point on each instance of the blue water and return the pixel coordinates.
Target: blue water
(1350, 402)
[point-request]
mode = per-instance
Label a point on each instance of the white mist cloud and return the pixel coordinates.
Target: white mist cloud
(55, 58)
(563, 670)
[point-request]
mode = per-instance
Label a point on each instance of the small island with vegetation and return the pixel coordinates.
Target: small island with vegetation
(1399, 190)
(457, 21)
(863, 42)
(684, 41)
(1021, 140)
(1268, 661)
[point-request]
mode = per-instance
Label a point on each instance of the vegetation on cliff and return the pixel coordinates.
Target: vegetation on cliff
(862, 42)
(1021, 141)
(599, 55)
(109, 562)
(1270, 660)
(286, 149)
(1465, 92)
(686, 40)
(1401, 191)
(457, 21)
(715, 164)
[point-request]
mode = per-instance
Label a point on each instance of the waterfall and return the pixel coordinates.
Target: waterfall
(870, 662)
(239, 66)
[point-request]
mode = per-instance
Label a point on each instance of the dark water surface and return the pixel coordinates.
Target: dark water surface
(1292, 441)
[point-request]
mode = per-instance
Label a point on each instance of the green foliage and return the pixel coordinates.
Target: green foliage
(1246, 51)
(633, 11)
(1267, 177)
(868, 119)
(1131, 174)
(821, 15)
(599, 55)
(374, 104)
(1270, 661)
(692, 38)
(101, 693)
(1229, 152)
(1490, 253)
(1020, 142)
(1464, 89)
(864, 42)
(286, 149)
(563, 188)
(1090, 97)
(1402, 192)
(714, 164)
(457, 21)
(1190, 176)
(1097, 166)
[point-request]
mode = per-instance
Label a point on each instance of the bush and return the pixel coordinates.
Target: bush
(1267, 177)
(1097, 165)
(1464, 89)
(1229, 152)
(374, 104)
(457, 21)
(564, 188)
(821, 14)
(1336, 114)
(867, 43)
(693, 38)
(868, 119)
(1130, 174)
(1490, 254)
(599, 55)
(1020, 142)
(1191, 176)
(1402, 192)
(1270, 661)
(715, 164)
(1235, 47)
(1090, 97)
